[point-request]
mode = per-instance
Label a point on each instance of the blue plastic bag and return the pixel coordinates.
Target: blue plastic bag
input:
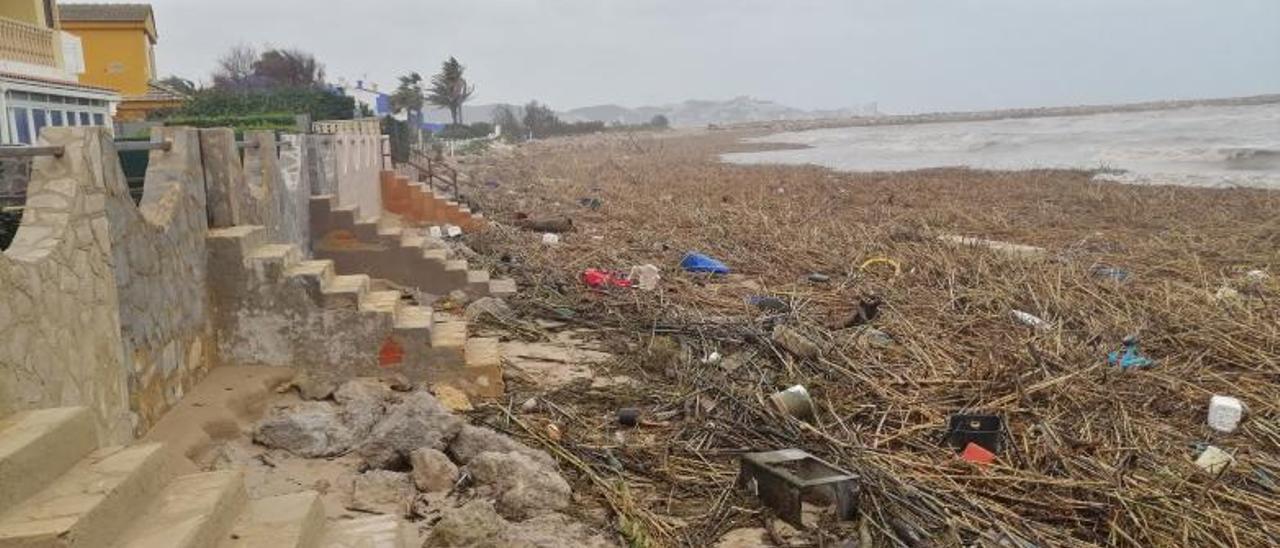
(697, 262)
(1130, 356)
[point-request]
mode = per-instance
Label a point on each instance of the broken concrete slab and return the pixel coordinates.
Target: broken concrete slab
(307, 429)
(363, 401)
(522, 487)
(381, 492)
(418, 420)
(432, 470)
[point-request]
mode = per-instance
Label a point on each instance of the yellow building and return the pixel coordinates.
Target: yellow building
(40, 66)
(119, 53)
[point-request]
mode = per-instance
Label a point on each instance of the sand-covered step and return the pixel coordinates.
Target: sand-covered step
(286, 521)
(38, 446)
(380, 301)
(194, 511)
(321, 270)
(93, 502)
(273, 260)
(503, 286)
(345, 290)
(370, 532)
(436, 254)
(235, 243)
(448, 332)
(413, 318)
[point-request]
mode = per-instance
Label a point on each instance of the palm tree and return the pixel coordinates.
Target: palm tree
(410, 97)
(449, 89)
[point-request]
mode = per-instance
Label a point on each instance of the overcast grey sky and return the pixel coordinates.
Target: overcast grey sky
(909, 55)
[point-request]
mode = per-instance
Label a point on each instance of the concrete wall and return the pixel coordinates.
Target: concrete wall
(347, 166)
(60, 340)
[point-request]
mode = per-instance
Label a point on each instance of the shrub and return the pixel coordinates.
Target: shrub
(275, 121)
(319, 103)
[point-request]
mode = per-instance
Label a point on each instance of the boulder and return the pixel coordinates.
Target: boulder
(477, 524)
(381, 492)
(311, 386)
(522, 487)
(473, 440)
(418, 420)
(432, 470)
(307, 429)
(362, 401)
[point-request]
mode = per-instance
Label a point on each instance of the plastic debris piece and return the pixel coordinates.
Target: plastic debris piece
(769, 304)
(452, 231)
(435, 232)
(818, 278)
(984, 430)
(698, 262)
(1214, 460)
(1225, 413)
(1129, 356)
(550, 239)
(601, 279)
(712, 359)
(1031, 320)
(793, 402)
(977, 453)
(645, 276)
(553, 432)
(1110, 273)
(897, 268)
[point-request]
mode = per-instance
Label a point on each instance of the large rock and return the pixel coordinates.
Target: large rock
(417, 421)
(477, 525)
(362, 401)
(307, 429)
(432, 470)
(521, 486)
(473, 440)
(381, 492)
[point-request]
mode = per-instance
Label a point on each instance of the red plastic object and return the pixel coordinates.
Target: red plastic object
(977, 453)
(597, 278)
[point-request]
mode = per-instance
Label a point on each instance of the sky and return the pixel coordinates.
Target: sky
(905, 55)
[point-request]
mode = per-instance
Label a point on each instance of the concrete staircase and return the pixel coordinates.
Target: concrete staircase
(327, 310)
(403, 256)
(60, 489)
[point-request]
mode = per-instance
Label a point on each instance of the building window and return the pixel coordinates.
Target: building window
(84, 119)
(22, 125)
(97, 120)
(39, 119)
(71, 118)
(55, 117)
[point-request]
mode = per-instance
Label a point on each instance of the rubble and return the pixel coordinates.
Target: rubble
(310, 386)
(307, 429)
(432, 470)
(417, 420)
(363, 401)
(522, 486)
(493, 307)
(477, 524)
(471, 441)
(381, 492)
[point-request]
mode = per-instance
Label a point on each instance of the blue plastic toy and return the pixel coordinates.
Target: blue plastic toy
(1130, 356)
(697, 262)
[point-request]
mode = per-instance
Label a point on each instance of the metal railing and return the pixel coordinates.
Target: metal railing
(27, 43)
(435, 170)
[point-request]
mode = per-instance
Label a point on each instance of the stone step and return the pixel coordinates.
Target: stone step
(345, 290)
(287, 521)
(273, 260)
(235, 244)
(436, 254)
(478, 277)
(321, 270)
(391, 231)
(93, 502)
(414, 318)
(448, 332)
(371, 532)
(38, 446)
(380, 301)
(483, 352)
(194, 511)
(455, 265)
(502, 287)
(412, 240)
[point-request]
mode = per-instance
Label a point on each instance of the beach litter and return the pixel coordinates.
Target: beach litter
(1129, 355)
(698, 262)
(793, 402)
(603, 279)
(550, 239)
(1030, 320)
(1225, 413)
(1214, 460)
(645, 276)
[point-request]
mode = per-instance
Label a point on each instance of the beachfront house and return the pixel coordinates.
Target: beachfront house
(40, 66)
(119, 53)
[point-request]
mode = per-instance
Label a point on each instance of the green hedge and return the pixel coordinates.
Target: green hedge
(276, 121)
(319, 103)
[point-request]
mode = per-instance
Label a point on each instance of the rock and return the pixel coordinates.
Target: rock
(307, 429)
(432, 470)
(381, 492)
(794, 342)
(522, 487)
(362, 402)
(418, 420)
(311, 386)
(452, 398)
(489, 306)
(474, 524)
(473, 440)
(477, 524)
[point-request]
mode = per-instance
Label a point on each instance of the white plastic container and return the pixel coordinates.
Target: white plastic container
(646, 276)
(550, 238)
(1031, 320)
(1214, 460)
(1225, 413)
(453, 231)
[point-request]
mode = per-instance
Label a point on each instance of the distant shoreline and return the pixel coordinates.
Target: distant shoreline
(1002, 114)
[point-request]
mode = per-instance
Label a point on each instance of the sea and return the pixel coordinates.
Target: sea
(1207, 146)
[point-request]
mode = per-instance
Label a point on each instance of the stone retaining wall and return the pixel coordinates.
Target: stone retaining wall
(346, 166)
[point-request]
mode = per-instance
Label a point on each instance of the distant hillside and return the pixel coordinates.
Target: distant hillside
(691, 113)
